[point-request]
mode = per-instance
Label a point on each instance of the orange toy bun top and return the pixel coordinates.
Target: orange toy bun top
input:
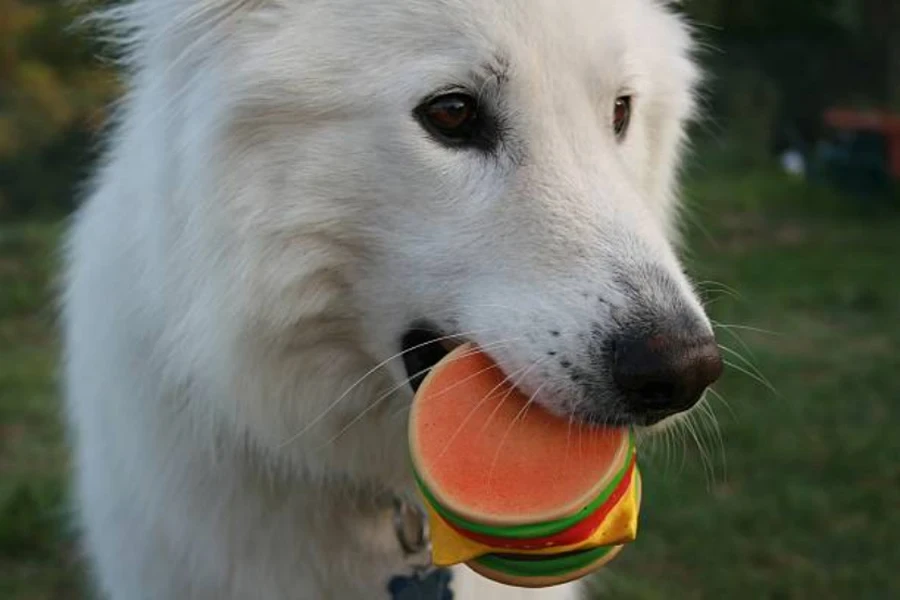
(489, 456)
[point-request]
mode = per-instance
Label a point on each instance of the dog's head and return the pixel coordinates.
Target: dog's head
(501, 172)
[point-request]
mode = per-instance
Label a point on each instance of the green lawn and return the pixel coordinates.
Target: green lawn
(799, 499)
(37, 550)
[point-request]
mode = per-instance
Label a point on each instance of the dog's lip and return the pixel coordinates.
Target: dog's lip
(451, 343)
(424, 346)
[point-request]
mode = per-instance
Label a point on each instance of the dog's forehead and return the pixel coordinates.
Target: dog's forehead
(553, 29)
(394, 51)
(562, 34)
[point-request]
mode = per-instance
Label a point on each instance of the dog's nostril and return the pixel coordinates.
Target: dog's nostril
(665, 375)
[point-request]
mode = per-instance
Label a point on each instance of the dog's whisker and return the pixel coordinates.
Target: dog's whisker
(451, 387)
(475, 408)
(681, 429)
(670, 446)
(450, 337)
(711, 297)
(706, 410)
(709, 303)
(724, 402)
(569, 431)
(521, 374)
(758, 378)
(407, 407)
(655, 445)
(664, 447)
(472, 413)
(746, 347)
(485, 398)
(751, 329)
(718, 286)
(491, 346)
(744, 360)
(521, 414)
(663, 444)
(739, 356)
(705, 461)
(314, 422)
(406, 381)
(711, 433)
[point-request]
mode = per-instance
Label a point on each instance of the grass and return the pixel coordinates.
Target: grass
(798, 500)
(37, 550)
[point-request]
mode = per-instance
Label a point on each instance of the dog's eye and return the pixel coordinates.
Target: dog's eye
(454, 119)
(622, 116)
(451, 114)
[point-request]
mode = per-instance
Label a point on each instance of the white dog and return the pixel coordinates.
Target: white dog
(300, 198)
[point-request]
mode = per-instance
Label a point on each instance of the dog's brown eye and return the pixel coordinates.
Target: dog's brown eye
(622, 116)
(450, 114)
(455, 119)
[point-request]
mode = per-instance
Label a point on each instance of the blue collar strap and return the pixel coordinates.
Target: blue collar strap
(433, 585)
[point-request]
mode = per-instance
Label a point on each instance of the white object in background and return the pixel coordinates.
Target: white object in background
(792, 162)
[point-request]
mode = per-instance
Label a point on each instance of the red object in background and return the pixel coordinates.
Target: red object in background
(884, 123)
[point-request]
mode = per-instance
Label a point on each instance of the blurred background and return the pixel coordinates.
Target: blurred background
(786, 486)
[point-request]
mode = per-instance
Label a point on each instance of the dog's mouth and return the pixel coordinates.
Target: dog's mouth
(424, 347)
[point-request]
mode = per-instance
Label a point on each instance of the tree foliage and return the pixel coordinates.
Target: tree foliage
(54, 94)
(778, 64)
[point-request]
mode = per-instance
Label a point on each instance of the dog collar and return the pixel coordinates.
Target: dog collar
(433, 586)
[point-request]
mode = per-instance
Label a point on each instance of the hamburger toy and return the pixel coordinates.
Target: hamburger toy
(520, 495)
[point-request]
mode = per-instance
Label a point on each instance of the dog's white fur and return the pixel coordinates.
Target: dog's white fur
(271, 218)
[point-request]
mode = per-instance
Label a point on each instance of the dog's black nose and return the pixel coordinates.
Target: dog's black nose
(662, 375)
